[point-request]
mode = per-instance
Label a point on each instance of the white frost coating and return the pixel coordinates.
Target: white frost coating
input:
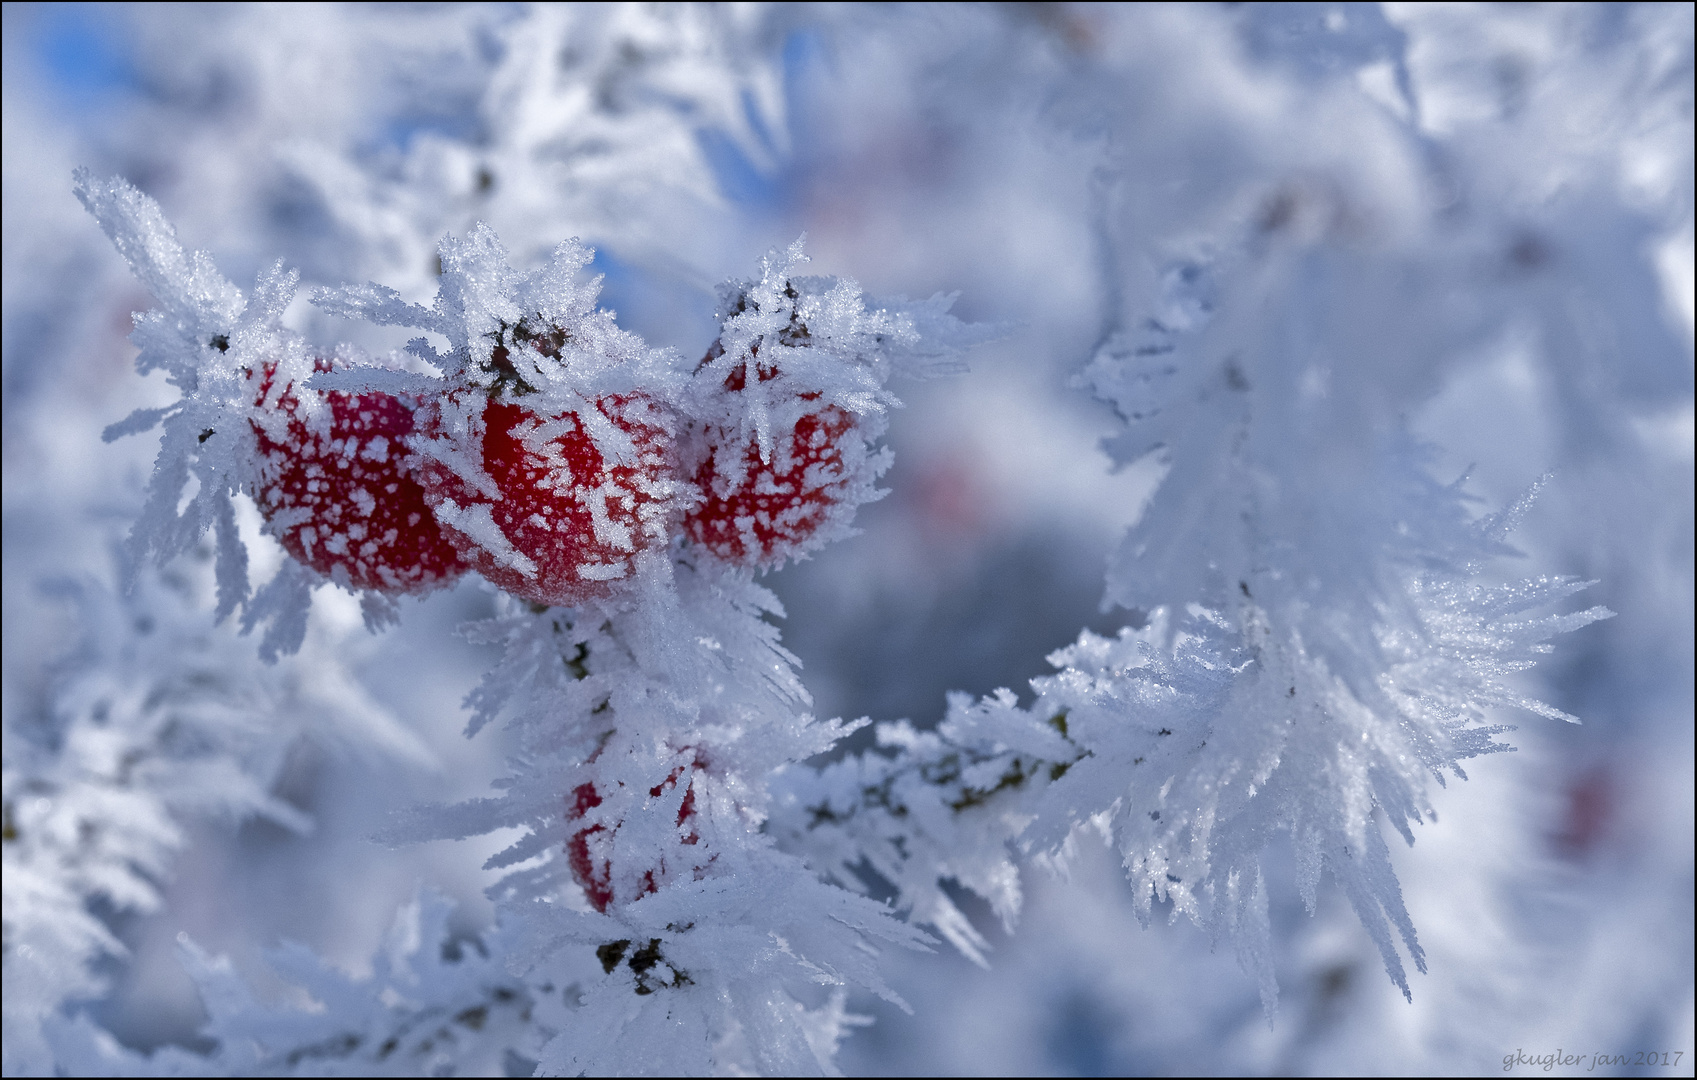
(209, 340)
(536, 344)
(364, 501)
(477, 522)
(460, 448)
(483, 304)
(602, 571)
(795, 349)
(1189, 743)
(163, 723)
(1335, 656)
(709, 938)
(359, 377)
(612, 533)
(428, 997)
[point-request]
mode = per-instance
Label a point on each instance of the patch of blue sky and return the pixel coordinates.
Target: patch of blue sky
(398, 132)
(82, 51)
(742, 180)
(804, 56)
(662, 307)
(739, 179)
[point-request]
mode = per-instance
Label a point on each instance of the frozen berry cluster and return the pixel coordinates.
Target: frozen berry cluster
(550, 506)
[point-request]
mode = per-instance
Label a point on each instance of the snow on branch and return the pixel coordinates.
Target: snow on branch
(433, 1002)
(161, 717)
(1290, 673)
(647, 699)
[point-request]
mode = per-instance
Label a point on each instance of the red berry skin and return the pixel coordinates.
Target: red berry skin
(572, 517)
(778, 507)
(778, 510)
(344, 501)
(594, 874)
(593, 870)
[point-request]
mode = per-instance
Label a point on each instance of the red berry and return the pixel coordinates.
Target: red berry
(337, 492)
(588, 849)
(778, 509)
(594, 873)
(569, 519)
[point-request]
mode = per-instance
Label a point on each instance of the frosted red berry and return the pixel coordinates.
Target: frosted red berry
(338, 493)
(775, 509)
(569, 518)
(588, 850)
(567, 514)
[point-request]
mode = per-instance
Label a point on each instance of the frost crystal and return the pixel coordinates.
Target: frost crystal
(434, 1003)
(545, 449)
(160, 718)
(249, 423)
(1267, 691)
(209, 341)
(790, 402)
(648, 698)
